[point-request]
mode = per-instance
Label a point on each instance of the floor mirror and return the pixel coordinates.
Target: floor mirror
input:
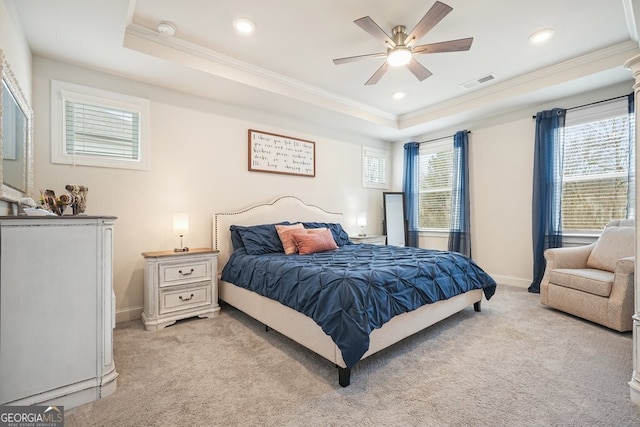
(395, 222)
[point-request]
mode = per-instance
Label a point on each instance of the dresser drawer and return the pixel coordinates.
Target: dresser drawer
(172, 299)
(188, 272)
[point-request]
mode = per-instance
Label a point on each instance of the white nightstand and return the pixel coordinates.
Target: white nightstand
(178, 285)
(369, 239)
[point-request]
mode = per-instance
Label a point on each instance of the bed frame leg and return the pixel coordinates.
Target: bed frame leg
(344, 376)
(476, 306)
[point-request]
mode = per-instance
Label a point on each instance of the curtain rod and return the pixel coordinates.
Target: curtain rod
(438, 139)
(593, 103)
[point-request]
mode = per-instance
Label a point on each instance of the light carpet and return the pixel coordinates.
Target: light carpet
(517, 363)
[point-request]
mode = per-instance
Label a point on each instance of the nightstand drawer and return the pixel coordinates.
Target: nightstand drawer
(184, 298)
(171, 274)
(178, 285)
(371, 240)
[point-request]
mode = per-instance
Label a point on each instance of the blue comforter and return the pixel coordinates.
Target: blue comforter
(357, 288)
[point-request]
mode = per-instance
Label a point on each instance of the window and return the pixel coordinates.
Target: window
(92, 127)
(597, 164)
(375, 172)
(435, 183)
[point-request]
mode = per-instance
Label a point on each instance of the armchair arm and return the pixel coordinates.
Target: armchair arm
(625, 265)
(574, 257)
(621, 298)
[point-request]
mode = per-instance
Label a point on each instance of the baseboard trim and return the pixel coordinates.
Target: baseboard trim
(130, 313)
(511, 281)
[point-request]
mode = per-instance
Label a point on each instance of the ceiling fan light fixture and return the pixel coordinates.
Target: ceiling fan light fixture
(399, 56)
(541, 36)
(244, 25)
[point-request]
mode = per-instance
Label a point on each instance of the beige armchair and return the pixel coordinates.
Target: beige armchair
(595, 281)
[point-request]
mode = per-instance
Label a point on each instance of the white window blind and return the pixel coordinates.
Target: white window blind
(435, 183)
(596, 166)
(375, 172)
(94, 130)
(93, 127)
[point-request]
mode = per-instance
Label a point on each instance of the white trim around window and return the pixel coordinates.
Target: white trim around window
(64, 93)
(375, 168)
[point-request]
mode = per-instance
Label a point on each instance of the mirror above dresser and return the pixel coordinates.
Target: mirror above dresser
(16, 137)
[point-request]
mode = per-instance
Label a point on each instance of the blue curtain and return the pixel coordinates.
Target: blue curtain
(547, 189)
(460, 231)
(631, 186)
(411, 191)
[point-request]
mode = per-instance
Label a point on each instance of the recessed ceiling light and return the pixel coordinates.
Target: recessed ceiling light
(166, 28)
(541, 36)
(244, 25)
(398, 95)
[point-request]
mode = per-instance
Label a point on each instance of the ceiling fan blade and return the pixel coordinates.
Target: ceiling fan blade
(434, 15)
(378, 74)
(372, 28)
(418, 70)
(448, 46)
(339, 61)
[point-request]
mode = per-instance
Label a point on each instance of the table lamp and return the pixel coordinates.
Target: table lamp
(180, 228)
(362, 222)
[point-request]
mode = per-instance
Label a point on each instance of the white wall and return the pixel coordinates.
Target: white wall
(501, 185)
(501, 180)
(15, 47)
(198, 165)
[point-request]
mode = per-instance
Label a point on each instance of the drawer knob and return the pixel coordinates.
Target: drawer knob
(181, 298)
(186, 274)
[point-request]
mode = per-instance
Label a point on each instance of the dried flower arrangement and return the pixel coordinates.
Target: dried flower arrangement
(76, 198)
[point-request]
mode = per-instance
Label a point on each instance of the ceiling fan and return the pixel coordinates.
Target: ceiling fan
(401, 46)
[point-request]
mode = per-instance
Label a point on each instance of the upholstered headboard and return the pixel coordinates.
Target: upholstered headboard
(284, 208)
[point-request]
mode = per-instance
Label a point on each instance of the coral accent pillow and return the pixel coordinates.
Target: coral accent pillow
(310, 243)
(286, 232)
(316, 230)
(339, 235)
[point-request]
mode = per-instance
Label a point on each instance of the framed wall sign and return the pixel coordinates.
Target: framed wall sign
(269, 152)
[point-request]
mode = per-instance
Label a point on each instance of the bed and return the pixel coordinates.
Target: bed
(287, 292)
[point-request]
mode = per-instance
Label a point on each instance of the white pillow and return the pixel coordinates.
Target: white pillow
(613, 244)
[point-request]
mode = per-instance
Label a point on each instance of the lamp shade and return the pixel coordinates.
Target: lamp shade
(181, 224)
(362, 219)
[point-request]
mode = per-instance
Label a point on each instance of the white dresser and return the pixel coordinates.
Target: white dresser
(56, 310)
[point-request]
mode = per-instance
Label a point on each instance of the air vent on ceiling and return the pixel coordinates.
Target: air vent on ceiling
(478, 81)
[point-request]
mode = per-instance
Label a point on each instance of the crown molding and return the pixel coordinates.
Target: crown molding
(198, 57)
(631, 14)
(597, 61)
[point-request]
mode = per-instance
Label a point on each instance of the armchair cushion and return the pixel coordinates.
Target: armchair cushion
(613, 244)
(597, 282)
